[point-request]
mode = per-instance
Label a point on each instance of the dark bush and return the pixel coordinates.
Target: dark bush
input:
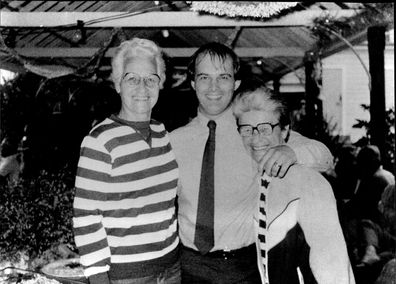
(388, 152)
(35, 214)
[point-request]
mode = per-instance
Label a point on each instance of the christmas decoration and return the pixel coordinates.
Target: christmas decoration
(254, 9)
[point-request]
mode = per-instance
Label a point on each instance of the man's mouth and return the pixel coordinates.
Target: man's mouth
(141, 98)
(213, 97)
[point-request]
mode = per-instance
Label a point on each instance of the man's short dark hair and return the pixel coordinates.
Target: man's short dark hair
(369, 159)
(215, 50)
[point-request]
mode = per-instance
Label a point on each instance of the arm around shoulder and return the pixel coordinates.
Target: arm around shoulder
(310, 153)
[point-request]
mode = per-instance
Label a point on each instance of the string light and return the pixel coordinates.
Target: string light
(165, 33)
(79, 35)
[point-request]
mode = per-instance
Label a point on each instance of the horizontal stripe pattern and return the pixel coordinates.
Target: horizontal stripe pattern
(139, 243)
(140, 257)
(158, 156)
(126, 186)
(129, 194)
(123, 222)
(141, 229)
(133, 206)
(124, 208)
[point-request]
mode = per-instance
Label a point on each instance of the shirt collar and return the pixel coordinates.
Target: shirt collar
(226, 119)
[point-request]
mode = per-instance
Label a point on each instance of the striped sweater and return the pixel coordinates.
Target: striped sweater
(124, 208)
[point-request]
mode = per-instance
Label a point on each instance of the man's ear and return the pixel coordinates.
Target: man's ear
(285, 132)
(118, 88)
(237, 84)
(193, 84)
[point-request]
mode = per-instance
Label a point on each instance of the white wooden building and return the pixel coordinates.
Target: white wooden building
(345, 86)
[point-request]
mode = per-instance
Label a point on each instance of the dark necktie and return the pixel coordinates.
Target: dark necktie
(204, 231)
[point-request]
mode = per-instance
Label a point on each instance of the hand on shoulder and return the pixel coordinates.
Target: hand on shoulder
(277, 161)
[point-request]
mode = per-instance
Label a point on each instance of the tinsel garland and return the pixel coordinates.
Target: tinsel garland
(241, 8)
(57, 71)
(47, 71)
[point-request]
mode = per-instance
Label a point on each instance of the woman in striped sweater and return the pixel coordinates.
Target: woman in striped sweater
(124, 221)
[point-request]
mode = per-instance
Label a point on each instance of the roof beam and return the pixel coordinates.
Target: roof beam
(162, 19)
(172, 52)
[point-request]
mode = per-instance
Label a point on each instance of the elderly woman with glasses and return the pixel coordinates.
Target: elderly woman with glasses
(298, 232)
(124, 221)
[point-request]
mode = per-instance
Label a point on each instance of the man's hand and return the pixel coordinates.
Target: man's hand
(277, 161)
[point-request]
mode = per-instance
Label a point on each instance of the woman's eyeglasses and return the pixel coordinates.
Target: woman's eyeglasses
(134, 80)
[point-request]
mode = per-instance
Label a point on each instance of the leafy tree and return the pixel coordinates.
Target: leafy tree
(388, 154)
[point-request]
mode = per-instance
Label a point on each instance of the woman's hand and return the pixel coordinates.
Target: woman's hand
(277, 161)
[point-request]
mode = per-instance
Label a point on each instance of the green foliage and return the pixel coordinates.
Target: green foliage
(49, 118)
(35, 214)
(17, 96)
(374, 14)
(361, 123)
(388, 154)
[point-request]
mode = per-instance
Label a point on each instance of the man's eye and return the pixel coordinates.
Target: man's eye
(225, 77)
(203, 78)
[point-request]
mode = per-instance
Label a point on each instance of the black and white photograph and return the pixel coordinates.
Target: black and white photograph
(197, 142)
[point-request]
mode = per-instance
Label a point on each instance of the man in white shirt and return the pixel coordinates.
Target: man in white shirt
(232, 259)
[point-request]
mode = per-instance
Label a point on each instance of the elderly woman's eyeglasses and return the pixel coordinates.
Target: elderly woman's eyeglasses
(134, 80)
(265, 128)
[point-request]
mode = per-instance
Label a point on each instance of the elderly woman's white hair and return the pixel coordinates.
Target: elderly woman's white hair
(256, 96)
(136, 47)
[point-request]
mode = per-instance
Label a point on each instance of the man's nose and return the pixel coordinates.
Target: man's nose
(213, 84)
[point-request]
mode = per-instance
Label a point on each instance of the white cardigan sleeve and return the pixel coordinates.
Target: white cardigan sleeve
(318, 217)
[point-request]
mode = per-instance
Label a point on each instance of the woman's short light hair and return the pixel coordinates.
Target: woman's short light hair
(256, 96)
(136, 47)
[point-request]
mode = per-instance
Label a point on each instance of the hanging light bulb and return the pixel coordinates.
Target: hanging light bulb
(165, 33)
(79, 35)
(259, 62)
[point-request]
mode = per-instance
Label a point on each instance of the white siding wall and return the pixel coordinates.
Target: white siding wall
(345, 87)
(355, 86)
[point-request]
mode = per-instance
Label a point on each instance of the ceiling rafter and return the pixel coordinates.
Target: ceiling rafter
(261, 52)
(163, 19)
(287, 36)
(4, 4)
